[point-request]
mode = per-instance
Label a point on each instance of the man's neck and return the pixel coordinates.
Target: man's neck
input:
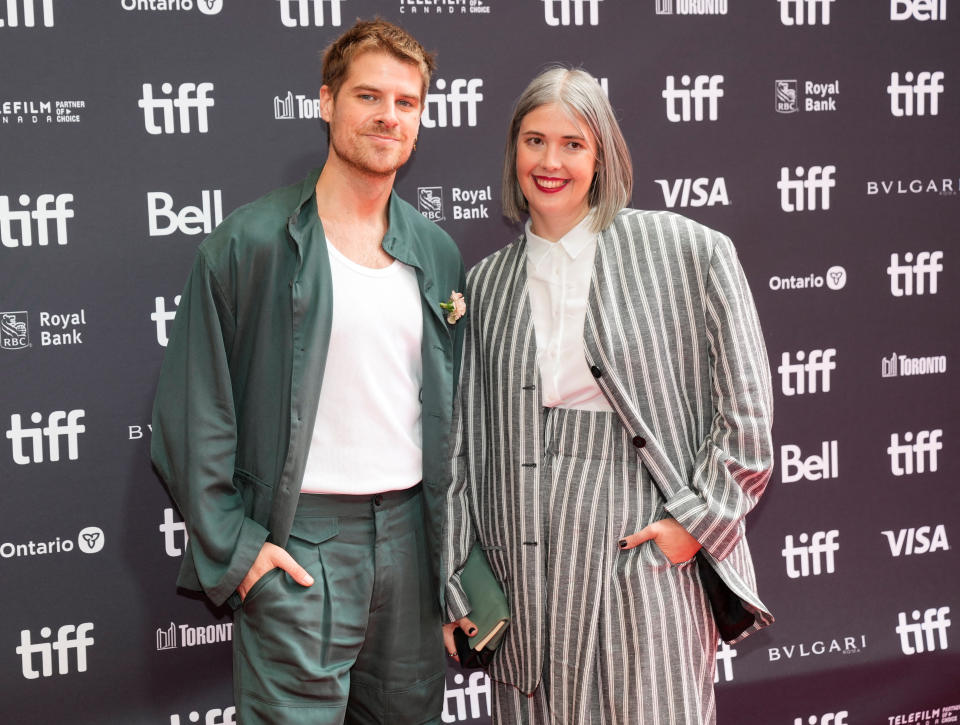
(344, 192)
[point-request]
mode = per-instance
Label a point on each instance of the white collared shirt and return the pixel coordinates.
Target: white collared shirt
(558, 277)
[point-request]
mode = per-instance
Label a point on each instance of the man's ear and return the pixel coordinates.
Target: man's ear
(326, 103)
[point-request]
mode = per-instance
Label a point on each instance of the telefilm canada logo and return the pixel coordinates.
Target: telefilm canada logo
(27, 14)
(444, 7)
(14, 330)
(207, 7)
(817, 96)
(36, 112)
(691, 7)
(930, 715)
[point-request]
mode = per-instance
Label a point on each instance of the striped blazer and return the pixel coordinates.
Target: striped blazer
(672, 336)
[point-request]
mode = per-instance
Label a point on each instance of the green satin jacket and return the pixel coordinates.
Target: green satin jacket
(240, 382)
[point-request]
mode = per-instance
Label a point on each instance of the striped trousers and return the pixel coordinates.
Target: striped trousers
(630, 636)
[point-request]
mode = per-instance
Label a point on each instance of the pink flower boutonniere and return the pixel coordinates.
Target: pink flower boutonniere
(454, 307)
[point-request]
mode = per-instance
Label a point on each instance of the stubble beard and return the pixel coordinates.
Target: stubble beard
(367, 162)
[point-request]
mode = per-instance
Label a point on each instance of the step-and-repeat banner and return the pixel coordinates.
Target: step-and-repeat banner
(821, 135)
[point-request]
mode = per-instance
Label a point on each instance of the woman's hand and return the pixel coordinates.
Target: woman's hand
(463, 623)
(672, 539)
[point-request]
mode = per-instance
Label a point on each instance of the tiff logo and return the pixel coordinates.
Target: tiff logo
(475, 692)
(917, 540)
(724, 663)
(462, 92)
(800, 194)
(921, 10)
(814, 558)
(912, 278)
(550, 16)
(69, 637)
(303, 12)
(914, 456)
(706, 91)
(804, 12)
(923, 636)
(793, 466)
(29, 13)
(49, 207)
(809, 374)
(60, 424)
(909, 98)
(828, 718)
(694, 192)
(172, 532)
(189, 96)
(216, 716)
(162, 316)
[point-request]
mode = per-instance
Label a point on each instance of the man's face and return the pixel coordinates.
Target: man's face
(375, 116)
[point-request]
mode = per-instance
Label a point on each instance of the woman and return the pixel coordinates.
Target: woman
(615, 413)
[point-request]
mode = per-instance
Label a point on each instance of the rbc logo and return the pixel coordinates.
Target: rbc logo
(914, 456)
(462, 91)
(800, 194)
(910, 279)
(549, 13)
(29, 13)
(430, 202)
(69, 637)
(189, 95)
(829, 718)
(60, 423)
(49, 207)
(162, 316)
(804, 12)
(303, 13)
(928, 635)
(909, 98)
(809, 373)
(705, 89)
(814, 558)
(921, 10)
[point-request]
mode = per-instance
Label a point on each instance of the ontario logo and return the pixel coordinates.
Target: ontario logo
(14, 331)
(430, 202)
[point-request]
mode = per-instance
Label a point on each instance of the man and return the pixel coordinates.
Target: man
(303, 412)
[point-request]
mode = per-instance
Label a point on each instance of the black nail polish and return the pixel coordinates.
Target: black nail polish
(622, 543)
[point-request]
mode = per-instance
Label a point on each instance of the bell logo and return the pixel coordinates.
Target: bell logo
(189, 96)
(814, 558)
(921, 98)
(16, 225)
(162, 221)
(549, 11)
(303, 19)
(914, 278)
(60, 424)
(810, 372)
(917, 454)
(829, 718)
(921, 10)
(462, 92)
(69, 637)
(800, 194)
(805, 12)
(161, 316)
(927, 635)
(694, 192)
(918, 540)
(793, 466)
(25, 12)
(706, 92)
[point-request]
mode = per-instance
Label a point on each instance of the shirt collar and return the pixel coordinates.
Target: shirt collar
(573, 242)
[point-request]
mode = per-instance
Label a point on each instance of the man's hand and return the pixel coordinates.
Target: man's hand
(463, 623)
(270, 557)
(674, 540)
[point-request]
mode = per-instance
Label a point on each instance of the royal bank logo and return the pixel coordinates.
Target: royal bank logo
(834, 279)
(827, 718)
(207, 7)
(90, 540)
(917, 540)
(697, 192)
(805, 12)
(166, 114)
(430, 202)
(452, 108)
(70, 637)
(916, 275)
(27, 13)
(808, 189)
(295, 106)
(183, 635)
(918, 94)
(215, 716)
(922, 10)
(444, 7)
(307, 13)
(691, 7)
(696, 98)
(817, 96)
(162, 317)
(925, 632)
(896, 365)
(14, 330)
(576, 12)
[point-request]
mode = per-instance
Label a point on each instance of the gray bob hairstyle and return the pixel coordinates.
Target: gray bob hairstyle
(580, 95)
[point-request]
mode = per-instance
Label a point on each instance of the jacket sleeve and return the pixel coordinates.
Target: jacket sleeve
(735, 460)
(194, 436)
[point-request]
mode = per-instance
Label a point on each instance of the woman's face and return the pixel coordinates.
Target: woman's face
(556, 161)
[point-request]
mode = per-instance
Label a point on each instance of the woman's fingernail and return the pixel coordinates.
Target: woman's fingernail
(472, 631)
(622, 543)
